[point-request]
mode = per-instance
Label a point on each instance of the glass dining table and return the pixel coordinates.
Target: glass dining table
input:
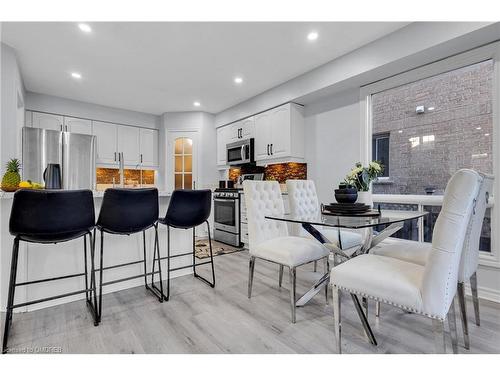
(387, 222)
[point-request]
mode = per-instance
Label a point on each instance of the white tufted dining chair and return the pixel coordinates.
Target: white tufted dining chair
(304, 202)
(418, 252)
(427, 290)
(269, 239)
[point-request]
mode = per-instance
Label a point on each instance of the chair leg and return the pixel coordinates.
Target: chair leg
(364, 301)
(327, 269)
(377, 308)
(463, 313)
(156, 258)
(212, 283)
(452, 325)
(144, 261)
(439, 336)
(315, 265)
(168, 264)
(92, 277)
(251, 267)
(100, 276)
(293, 285)
(475, 298)
(336, 296)
(85, 267)
(281, 275)
(12, 289)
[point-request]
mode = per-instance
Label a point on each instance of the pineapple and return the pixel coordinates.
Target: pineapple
(11, 178)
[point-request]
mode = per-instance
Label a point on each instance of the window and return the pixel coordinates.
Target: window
(183, 160)
(380, 151)
(428, 129)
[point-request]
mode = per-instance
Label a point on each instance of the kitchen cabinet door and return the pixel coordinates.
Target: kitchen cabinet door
(149, 147)
(281, 131)
(262, 136)
(105, 133)
(47, 121)
(128, 142)
(247, 128)
(222, 140)
(28, 119)
(233, 134)
(77, 125)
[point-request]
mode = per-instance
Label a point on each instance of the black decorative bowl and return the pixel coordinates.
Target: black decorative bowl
(346, 195)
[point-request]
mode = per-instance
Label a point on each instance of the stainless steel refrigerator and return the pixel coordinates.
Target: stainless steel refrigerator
(74, 152)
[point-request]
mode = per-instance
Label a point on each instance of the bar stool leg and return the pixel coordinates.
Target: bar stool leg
(212, 284)
(156, 252)
(12, 288)
(168, 263)
(100, 276)
(86, 270)
(145, 267)
(92, 278)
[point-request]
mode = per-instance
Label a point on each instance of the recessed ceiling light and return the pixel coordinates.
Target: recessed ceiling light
(196, 104)
(84, 27)
(313, 35)
(400, 131)
(430, 109)
(238, 80)
(487, 135)
(478, 128)
(76, 75)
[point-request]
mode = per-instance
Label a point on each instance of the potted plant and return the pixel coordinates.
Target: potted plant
(361, 178)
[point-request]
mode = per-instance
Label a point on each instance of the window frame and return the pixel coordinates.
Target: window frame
(376, 138)
(488, 52)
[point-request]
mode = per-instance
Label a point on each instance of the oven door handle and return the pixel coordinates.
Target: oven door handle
(224, 199)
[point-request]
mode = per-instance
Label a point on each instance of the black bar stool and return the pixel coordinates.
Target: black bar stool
(125, 212)
(188, 209)
(50, 217)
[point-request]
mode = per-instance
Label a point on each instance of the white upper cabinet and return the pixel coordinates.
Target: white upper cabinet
(242, 129)
(106, 142)
(262, 136)
(77, 125)
(222, 140)
(279, 134)
(149, 147)
(28, 119)
(47, 121)
(129, 144)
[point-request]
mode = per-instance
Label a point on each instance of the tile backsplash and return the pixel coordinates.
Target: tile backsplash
(132, 177)
(279, 172)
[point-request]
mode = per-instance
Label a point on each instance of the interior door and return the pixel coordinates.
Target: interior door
(262, 136)
(128, 142)
(105, 133)
(182, 160)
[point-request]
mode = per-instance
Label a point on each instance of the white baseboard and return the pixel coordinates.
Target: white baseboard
(485, 293)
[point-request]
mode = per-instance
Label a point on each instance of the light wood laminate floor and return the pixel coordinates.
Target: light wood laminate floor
(198, 319)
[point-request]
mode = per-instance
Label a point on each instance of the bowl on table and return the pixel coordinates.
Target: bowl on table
(346, 195)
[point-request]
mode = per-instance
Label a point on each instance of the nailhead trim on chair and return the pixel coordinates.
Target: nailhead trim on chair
(389, 303)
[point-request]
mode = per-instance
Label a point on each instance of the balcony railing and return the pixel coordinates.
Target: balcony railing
(421, 229)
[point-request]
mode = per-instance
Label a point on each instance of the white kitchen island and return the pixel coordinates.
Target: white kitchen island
(40, 261)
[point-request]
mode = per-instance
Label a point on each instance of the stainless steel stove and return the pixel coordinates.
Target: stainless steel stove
(227, 226)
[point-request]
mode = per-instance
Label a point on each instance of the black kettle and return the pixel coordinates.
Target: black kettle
(52, 176)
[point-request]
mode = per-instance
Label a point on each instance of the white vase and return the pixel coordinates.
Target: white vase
(365, 197)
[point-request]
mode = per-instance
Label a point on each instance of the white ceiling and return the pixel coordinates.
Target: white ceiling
(165, 67)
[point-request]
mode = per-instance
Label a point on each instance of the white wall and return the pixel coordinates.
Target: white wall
(332, 140)
(207, 143)
(412, 46)
(69, 107)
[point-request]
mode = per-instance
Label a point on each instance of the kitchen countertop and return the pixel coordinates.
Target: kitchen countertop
(97, 194)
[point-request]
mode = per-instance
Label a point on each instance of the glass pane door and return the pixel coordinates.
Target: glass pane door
(183, 163)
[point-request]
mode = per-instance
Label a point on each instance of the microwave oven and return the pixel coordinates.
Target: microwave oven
(241, 152)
